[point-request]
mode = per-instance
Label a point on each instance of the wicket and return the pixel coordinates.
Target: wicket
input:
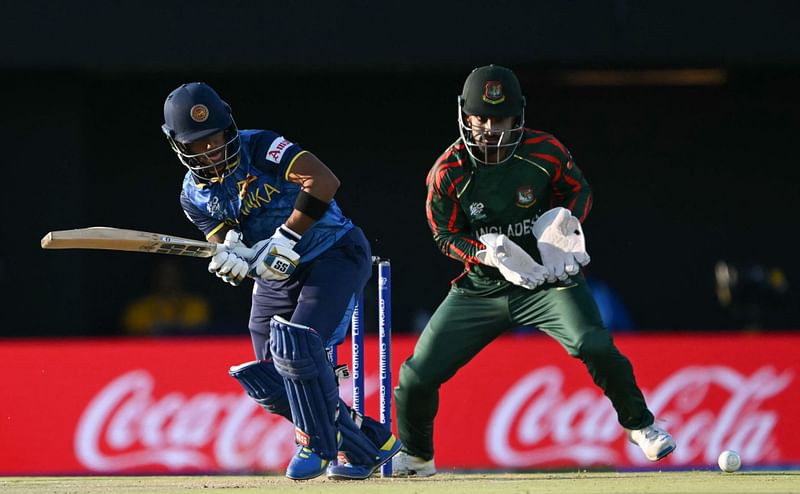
(384, 349)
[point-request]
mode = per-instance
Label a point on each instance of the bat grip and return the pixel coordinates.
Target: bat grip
(245, 253)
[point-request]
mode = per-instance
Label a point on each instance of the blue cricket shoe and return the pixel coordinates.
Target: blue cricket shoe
(349, 471)
(306, 464)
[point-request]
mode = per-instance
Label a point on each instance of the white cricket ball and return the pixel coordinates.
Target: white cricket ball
(729, 461)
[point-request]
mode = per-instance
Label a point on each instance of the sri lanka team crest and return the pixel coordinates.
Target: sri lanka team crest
(494, 93)
(525, 198)
(199, 113)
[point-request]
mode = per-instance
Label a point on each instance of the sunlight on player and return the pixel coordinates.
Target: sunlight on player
(256, 188)
(508, 202)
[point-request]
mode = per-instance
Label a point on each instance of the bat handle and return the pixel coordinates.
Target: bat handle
(245, 253)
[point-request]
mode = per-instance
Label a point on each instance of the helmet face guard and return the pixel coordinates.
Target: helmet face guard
(194, 112)
(490, 147)
(493, 92)
(202, 165)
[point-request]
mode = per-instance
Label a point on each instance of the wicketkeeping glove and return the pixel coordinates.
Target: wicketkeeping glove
(227, 264)
(275, 258)
(561, 243)
(516, 265)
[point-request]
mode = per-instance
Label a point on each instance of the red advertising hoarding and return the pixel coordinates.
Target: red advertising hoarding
(122, 406)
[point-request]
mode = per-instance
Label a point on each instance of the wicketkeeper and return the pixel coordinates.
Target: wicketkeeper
(508, 202)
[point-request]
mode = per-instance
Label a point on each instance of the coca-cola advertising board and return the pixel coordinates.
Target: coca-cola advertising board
(121, 406)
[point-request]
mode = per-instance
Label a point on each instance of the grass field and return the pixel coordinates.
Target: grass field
(699, 482)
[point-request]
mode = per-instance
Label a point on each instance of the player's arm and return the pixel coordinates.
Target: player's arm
(318, 186)
(563, 254)
(447, 221)
(219, 235)
(212, 228)
(570, 188)
(275, 257)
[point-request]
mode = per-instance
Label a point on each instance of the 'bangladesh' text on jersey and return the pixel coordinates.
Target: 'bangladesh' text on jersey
(258, 197)
(467, 199)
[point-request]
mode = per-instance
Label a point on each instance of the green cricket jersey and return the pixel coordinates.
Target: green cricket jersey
(467, 199)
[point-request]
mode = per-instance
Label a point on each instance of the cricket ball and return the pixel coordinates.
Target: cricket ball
(729, 461)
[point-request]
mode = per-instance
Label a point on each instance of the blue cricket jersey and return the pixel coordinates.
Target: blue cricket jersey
(258, 197)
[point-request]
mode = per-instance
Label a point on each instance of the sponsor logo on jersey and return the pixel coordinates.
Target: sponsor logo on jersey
(199, 113)
(494, 93)
(276, 150)
(525, 198)
(476, 211)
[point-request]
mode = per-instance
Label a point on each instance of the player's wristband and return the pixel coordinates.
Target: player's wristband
(310, 205)
(288, 233)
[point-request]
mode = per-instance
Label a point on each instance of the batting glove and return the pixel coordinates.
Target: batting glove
(275, 258)
(228, 265)
(561, 243)
(516, 265)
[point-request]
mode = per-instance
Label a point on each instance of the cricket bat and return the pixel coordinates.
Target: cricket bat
(106, 238)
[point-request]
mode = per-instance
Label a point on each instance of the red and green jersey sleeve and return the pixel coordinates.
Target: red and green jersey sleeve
(446, 219)
(569, 188)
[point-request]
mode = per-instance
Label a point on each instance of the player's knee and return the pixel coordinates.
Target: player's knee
(262, 383)
(279, 405)
(595, 344)
(410, 379)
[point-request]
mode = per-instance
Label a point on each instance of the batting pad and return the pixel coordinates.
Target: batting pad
(310, 384)
(263, 383)
(356, 446)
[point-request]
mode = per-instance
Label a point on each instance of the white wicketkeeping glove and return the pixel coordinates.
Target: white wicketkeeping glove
(516, 265)
(275, 258)
(561, 243)
(227, 264)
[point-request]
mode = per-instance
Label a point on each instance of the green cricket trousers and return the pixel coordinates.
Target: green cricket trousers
(465, 323)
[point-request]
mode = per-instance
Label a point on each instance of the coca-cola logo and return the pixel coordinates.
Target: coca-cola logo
(705, 408)
(127, 427)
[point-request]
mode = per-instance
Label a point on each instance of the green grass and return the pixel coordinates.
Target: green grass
(699, 482)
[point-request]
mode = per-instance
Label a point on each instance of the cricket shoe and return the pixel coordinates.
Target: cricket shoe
(306, 464)
(654, 441)
(344, 470)
(406, 465)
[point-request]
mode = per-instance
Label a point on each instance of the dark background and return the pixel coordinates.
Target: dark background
(685, 171)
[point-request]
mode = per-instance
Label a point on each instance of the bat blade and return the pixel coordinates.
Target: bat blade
(106, 238)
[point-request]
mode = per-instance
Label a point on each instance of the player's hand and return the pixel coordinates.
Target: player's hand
(516, 265)
(561, 243)
(228, 265)
(275, 258)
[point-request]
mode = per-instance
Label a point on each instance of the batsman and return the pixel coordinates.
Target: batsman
(257, 189)
(509, 202)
